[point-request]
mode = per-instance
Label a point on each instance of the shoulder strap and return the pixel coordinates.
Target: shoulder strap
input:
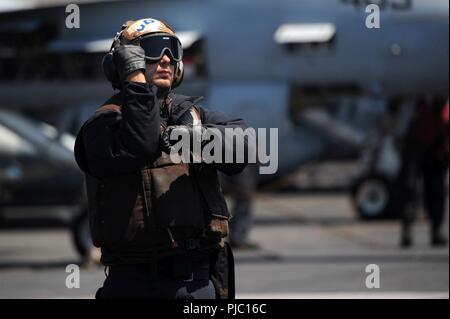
(109, 107)
(196, 115)
(182, 104)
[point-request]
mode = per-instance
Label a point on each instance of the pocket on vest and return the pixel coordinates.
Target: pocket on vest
(120, 203)
(176, 198)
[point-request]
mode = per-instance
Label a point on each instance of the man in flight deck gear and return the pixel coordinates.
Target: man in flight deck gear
(160, 223)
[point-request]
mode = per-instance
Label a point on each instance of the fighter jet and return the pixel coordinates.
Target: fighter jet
(323, 72)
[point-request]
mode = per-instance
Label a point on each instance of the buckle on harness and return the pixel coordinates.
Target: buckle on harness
(187, 244)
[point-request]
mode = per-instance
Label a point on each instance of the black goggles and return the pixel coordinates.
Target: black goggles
(156, 45)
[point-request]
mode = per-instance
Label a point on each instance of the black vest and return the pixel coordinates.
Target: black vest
(164, 207)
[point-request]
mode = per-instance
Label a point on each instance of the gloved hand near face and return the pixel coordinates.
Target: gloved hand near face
(128, 59)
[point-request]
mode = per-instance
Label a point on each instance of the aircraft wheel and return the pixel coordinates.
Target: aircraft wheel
(372, 198)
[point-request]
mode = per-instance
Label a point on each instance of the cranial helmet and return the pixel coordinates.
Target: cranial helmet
(155, 37)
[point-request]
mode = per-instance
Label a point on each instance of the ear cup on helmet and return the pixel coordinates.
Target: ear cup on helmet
(179, 74)
(109, 69)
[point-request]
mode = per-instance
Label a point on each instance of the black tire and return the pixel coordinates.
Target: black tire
(81, 235)
(373, 198)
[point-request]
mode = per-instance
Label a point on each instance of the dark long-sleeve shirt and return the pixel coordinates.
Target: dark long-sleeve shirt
(120, 142)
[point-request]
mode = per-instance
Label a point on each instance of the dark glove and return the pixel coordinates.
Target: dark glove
(180, 130)
(195, 134)
(128, 59)
(186, 119)
(186, 122)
